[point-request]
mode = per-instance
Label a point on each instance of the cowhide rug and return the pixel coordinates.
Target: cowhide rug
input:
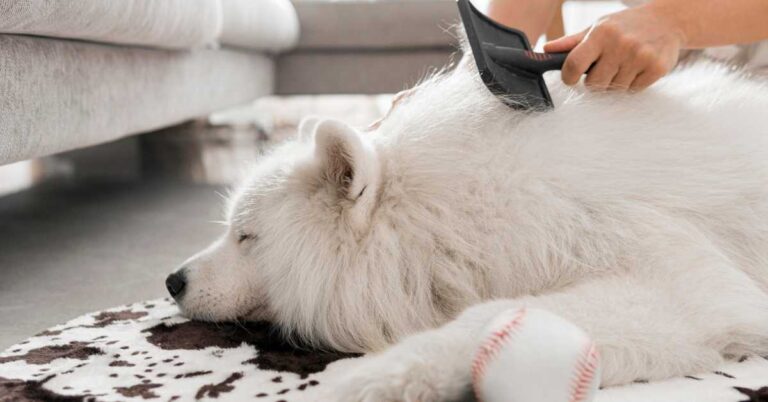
(146, 351)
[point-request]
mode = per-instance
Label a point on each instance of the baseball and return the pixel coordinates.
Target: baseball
(532, 355)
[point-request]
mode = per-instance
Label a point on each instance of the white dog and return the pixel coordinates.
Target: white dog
(642, 218)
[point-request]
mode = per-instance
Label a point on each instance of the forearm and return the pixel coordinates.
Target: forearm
(530, 16)
(705, 23)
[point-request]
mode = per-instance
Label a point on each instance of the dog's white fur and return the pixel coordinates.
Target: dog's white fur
(643, 218)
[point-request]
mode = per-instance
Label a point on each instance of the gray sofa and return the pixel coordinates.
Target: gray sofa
(85, 72)
(78, 73)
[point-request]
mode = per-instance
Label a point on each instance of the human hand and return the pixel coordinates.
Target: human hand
(630, 49)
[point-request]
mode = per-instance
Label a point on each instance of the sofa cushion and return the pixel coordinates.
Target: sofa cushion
(270, 25)
(57, 95)
(166, 23)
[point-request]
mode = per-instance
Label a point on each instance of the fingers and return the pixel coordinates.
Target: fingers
(565, 43)
(615, 54)
(580, 60)
(653, 70)
(646, 79)
(612, 62)
(602, 74)
(628, 72)
(624, 78)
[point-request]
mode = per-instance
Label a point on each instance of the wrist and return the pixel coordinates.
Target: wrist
(669, 13)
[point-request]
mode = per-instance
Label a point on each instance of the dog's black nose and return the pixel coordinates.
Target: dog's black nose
(176, 282)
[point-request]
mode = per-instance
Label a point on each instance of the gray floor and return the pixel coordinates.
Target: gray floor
(70, 248)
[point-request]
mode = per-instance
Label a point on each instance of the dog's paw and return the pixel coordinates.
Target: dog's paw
(390, 377)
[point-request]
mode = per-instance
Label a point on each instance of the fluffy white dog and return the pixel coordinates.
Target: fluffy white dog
(642, 218)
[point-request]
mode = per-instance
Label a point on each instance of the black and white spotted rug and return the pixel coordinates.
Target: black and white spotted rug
(146, 351)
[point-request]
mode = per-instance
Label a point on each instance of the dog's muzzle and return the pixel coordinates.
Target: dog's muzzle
(176, 283)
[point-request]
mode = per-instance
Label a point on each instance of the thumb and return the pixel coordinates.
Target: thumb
(565, 43)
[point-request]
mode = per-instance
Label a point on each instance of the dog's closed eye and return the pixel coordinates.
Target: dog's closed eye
(245, 236)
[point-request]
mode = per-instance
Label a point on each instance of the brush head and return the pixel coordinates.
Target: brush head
(516, 87)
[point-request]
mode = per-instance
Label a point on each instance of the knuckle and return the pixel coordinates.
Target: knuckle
(646, 54)
(632, 44)
(608, 28)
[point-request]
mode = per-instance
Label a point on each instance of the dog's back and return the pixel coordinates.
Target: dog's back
(582, 188)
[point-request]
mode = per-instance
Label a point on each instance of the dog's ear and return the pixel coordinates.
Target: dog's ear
(349, 162)
(307, 127)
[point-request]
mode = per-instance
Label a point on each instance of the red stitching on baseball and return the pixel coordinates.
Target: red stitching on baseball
(586, 368)
(491, 348)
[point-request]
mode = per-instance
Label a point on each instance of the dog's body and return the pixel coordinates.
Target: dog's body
(641, 218)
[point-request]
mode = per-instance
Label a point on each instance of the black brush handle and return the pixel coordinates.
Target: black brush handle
(526, 60)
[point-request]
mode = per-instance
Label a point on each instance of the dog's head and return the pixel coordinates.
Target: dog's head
(294, 232)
